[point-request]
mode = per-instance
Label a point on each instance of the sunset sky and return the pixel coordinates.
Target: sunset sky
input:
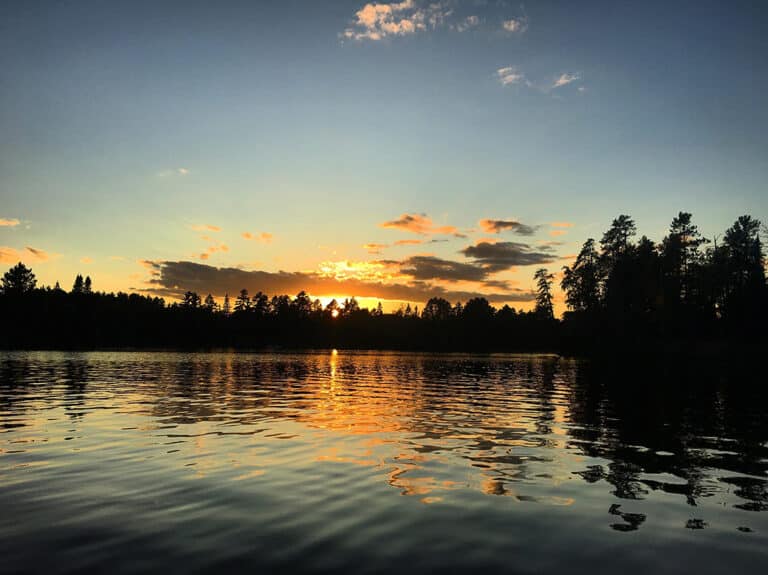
(393, 150)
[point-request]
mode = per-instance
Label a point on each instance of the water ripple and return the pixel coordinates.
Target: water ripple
(371, 462)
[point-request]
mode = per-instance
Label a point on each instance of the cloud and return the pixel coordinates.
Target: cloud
(376, 21)
(39, 255)
(467, 24)
(419, 224)
(213, 248)
(263, 237)
(496, 226)
(374, 248)
(509, 75)
(86, 260)
(565, 79)
(500, 256)
(408, 242)
(9, 222)
(432, 268)
(206, 228)
(10, 255)
(173, 172)
(560, 228)
(174, 278)
(497, 284)
(515, 25)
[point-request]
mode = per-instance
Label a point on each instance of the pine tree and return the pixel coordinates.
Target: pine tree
(243, 302)
(210, 303)
(19, 280)
(544, 293)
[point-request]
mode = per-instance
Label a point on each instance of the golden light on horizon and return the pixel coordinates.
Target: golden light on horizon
(335, 314)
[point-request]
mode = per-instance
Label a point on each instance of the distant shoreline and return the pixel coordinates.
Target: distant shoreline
(667, 350)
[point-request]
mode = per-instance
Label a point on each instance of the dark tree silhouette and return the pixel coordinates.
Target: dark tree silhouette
(332, 309)
(350, 307)
(210, 304)
(621, 297)
(243, 302)
(260, 304)
(79, 284)
(437, 309)
(615, 242)
(478, 309)
(582, 281)
(87, 287)
(18, 280)
(191, 301)
(680, 257)
(544, 307)
(302, 304)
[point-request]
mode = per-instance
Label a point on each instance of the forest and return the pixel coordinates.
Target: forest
(621, 293)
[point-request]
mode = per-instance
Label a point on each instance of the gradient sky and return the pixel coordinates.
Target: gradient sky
(140, 141)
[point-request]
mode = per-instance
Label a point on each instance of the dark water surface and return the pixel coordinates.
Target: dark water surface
(377, 462)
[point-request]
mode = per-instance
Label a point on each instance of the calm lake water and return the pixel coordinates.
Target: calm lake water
(377, 462)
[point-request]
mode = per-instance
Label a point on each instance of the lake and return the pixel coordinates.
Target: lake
(375, 462)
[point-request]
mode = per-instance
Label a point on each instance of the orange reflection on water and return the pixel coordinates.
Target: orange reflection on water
(241, 416)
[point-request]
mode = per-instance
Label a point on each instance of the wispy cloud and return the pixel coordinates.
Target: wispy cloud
(173, 172)
(467, 23)
(515, 25)
(376, 21)
(8, 255)
(206, 228)
(28, 254)
(512, 75)
(38, 254)
(86, 260)
(9, 222)
(380, 20)
(559, 228)
(420, 224)
(408, 242)
(509, 75)
(263, 237)
(565, 79)
(374, 248)
(497, 226)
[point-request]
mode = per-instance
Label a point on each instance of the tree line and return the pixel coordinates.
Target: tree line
(619, 292)
(685, 287)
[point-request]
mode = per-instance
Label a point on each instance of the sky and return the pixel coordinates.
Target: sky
(388, 151)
